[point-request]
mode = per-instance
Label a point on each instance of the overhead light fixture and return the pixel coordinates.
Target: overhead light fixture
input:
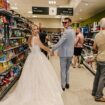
(52, 2)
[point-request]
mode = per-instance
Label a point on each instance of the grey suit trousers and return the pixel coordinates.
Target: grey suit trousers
(65, 64)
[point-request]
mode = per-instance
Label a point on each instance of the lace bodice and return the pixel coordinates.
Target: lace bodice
(35, 47)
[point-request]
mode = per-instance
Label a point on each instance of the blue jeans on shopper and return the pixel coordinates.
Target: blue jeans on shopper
(99, 81)
(65, 64)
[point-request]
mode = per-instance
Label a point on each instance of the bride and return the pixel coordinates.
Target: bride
(38, 84)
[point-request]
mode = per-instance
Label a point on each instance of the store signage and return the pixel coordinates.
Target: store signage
(65, 11)
(40, 10)
(52, 10)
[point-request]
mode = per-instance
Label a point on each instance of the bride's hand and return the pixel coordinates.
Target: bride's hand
(51, 53)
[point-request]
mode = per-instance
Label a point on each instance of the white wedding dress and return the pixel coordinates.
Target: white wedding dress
(38, 84)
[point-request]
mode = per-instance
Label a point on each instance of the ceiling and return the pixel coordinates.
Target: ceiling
(83, 9)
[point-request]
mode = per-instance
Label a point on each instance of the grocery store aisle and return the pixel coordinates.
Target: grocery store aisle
(81, 81)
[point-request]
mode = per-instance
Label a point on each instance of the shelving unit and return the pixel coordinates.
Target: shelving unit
(14, 32)
(88, 55)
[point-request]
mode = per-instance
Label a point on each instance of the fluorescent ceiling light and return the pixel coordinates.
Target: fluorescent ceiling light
(52, 1)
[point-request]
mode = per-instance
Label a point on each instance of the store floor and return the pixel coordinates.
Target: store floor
(81, 81)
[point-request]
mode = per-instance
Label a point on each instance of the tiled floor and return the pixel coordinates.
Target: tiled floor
(81, 81)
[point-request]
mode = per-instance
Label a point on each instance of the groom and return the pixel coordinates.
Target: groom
(65, 48)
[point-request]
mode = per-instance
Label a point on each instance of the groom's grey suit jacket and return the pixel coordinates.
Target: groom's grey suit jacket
(65, 45)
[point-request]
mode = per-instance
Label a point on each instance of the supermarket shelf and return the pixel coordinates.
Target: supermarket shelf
(14, 47)
(4, 12)
(89, 39)
(6, 89)
(12, 57)
(15, 28)
(17, 18)
(95, 31)
(6, 71)
(28, 35)
(89, 68)
(88, 46)
(16, 37)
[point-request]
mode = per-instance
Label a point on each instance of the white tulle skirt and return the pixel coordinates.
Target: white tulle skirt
(38, 84)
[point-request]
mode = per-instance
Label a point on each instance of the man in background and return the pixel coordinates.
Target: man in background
(99, 81)
(79, 41)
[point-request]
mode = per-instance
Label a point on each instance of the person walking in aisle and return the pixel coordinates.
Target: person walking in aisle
(99, 46)
(79, 40)
(38, 84)
(66, 51)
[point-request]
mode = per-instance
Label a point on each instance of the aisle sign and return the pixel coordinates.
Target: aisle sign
(40, 10)
(65, 11)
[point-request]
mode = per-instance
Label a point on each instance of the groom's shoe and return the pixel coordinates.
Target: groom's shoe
(63, 89)
(67, 86)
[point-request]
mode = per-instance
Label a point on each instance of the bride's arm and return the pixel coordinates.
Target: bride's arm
(43, 46)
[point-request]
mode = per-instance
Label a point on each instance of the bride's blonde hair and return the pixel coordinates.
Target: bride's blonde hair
(30, 38)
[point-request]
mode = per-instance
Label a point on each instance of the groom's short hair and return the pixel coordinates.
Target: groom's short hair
(67, 18)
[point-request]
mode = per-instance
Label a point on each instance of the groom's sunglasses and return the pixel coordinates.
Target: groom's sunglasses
(64, 22)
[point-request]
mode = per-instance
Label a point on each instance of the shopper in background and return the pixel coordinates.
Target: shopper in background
(43, 35)
(99, 81)
(38, 84)
(65, 48)
(79, 40)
